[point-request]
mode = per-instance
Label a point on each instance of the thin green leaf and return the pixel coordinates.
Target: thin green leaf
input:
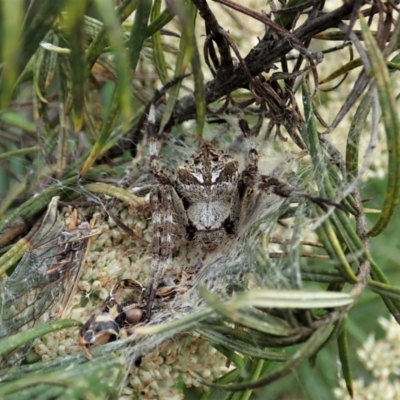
(117, 192)
(306, 351)
(91, 380)
(180, 325)
(17, 120)
(182, 61)
(64, 107)
(17, 190)
(295, 299)
(10, 31)
(162, 20)
(241, 315)
(257, 367)
(36, 28)
(100, 42)
(242, 348)
(75, 21)
(13, 255)
(353, 139)
(34, 380)
(227, 352)
(390, 115)
(112, 115)
(255, 337)
(138, 32)
(12, 342)
(16, 153)
(327, 234)
(158, 52)
(187, 13)
(345, 69)
(328, 237)
(344, 357)
(392, 305)
(38, 202)
(112, 24)
(44, 67)
(384, 289)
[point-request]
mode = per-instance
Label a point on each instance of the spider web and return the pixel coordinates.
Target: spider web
(45, 278)
(242, 262)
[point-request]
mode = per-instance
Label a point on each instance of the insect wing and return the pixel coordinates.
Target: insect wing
(24, 296)
(46, 276)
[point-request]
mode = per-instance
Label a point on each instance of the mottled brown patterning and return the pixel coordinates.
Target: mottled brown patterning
(208, 199)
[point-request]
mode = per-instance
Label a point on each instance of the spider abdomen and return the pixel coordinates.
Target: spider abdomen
(208, 215)
(208, 221)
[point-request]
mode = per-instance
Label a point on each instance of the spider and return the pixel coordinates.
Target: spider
(209, 200)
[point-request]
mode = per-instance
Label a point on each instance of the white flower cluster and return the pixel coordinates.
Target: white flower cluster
(182, 360)
(382, 359)
(114, 255)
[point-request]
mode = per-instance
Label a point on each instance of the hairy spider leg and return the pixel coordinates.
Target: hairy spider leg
(269, 183)
(251, 157)
(243, 189)
(161, 208)
(164, 202)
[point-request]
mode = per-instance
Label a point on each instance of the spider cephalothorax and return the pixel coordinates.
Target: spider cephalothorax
(207, 187)
(210, 200)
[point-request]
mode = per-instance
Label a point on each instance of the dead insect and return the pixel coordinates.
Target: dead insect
(118, 313)
(46, 277)
(98, 330)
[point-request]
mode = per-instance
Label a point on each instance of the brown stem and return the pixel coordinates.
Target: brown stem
(259, 59)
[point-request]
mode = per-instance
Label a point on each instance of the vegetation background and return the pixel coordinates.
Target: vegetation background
(76, 81)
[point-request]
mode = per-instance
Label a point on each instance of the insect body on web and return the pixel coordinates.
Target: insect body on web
(105, 327)
(124, 308)
(46, 277)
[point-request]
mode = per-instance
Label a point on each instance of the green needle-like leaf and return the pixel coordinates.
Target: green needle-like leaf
(12, 342)
(390, 115)
(139, 32)
(344, 357)
(158, 53)
(112, 24)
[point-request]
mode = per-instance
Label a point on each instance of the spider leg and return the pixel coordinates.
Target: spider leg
(154, 150)
(274, 185)
(251, 157)
(232, 223)
(270, 184)
(163, 201)
(160, 205)
(162, 210)
(153, 142)
(166, 206)
(156, 265)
